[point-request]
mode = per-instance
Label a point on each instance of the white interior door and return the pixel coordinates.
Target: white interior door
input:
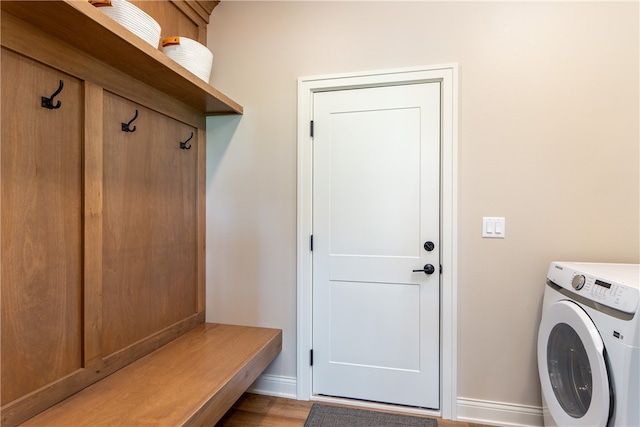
(376, 202)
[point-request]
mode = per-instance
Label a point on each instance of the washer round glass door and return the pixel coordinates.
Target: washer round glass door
(573, 370)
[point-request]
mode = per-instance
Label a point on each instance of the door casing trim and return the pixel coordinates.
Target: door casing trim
(447, 74)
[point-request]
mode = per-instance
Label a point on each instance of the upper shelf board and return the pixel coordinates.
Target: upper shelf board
(81, 25)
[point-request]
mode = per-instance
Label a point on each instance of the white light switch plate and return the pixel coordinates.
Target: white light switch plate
(493, 227)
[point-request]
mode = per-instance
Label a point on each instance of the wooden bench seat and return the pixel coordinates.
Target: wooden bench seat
(190, 381)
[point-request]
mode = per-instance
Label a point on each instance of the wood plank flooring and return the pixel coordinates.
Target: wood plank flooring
(253, 410)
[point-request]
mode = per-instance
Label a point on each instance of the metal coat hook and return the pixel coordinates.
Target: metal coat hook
(125, 126)
(184, 146)
(48, 102)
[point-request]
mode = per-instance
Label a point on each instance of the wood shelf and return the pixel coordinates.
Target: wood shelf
(81, 25)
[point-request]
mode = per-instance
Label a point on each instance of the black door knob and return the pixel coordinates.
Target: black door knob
(429, 246)
(428, 269)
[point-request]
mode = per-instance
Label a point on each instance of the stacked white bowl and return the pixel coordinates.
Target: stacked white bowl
(192, 55)
(132, 18)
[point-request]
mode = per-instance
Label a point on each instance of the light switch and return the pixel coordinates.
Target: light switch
(493, 227)
(489, 227)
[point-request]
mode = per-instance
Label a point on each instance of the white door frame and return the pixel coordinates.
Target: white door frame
(307, 86)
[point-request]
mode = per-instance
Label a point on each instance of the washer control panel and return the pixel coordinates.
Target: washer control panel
(614, 285)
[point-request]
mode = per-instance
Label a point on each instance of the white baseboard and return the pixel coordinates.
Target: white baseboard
(499, 413)
(274, 385)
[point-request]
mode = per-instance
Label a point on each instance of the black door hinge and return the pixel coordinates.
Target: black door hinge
(311, 128)
(440, 268)
(311, 242)
(311, 357)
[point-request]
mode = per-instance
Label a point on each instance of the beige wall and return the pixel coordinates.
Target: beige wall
(548, 138)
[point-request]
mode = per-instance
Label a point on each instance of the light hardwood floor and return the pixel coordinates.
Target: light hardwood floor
(253, 410)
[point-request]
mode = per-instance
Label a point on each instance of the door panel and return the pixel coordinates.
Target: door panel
(376, 201)
(372, 192)
(358, 326)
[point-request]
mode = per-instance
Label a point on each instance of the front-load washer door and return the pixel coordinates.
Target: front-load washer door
(573, 368)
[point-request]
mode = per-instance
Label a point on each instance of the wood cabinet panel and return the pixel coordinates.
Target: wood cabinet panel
(149, 224)
(174, 21)
(41, 226)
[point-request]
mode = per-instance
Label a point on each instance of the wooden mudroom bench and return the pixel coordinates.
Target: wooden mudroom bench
(103, 224)
(191, 381)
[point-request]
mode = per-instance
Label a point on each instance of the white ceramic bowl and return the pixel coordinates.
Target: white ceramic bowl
(192, 55)
(132, 18)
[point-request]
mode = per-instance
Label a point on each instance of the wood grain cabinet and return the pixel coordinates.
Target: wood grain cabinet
(149, 223)
(41, 227)
(102, 228)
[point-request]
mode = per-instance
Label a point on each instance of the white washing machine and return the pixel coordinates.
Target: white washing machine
(589, 345)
